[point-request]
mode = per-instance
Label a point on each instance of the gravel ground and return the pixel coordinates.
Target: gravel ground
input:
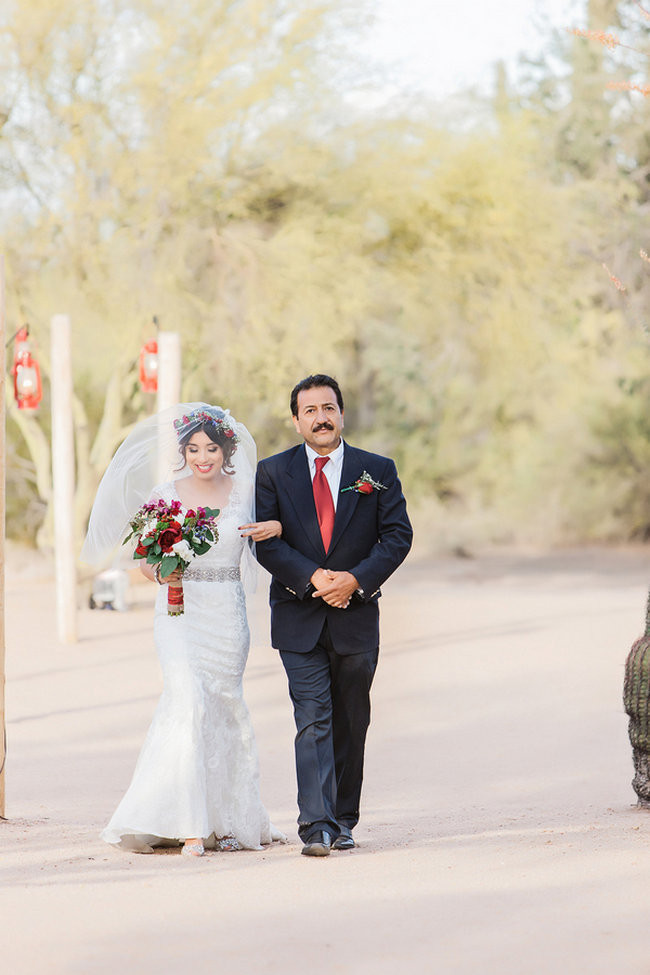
(499, 832)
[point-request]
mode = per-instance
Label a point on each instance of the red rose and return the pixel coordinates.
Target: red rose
(140, 549)
(170, 536)
(229, 433)
(365, 488)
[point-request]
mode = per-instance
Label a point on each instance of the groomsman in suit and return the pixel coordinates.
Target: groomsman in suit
(344, 532)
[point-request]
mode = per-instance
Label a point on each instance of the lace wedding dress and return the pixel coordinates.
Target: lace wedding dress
(197, 774)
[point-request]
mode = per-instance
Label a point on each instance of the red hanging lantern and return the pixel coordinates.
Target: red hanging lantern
(149, 367)
(28, 389)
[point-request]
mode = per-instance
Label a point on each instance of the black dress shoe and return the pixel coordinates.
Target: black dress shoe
(344, 840)
(319, 845)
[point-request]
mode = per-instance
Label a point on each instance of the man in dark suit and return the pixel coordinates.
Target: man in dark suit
(344, 531)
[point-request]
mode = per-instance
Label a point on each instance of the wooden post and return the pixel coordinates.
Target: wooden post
(169, 390)
(169, 370)
(63, 480)
(3, 732)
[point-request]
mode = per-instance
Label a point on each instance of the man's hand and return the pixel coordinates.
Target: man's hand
(335, 588)
(321, 577)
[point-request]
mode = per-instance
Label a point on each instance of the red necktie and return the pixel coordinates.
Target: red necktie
(324, 503)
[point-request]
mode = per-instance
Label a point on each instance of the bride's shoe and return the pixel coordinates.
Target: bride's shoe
(193, 848)
(227, 844)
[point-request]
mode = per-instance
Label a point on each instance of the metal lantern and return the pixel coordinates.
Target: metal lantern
(149, 367)
(28, 389)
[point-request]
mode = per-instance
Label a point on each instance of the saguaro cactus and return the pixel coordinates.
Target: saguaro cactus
(636, 698)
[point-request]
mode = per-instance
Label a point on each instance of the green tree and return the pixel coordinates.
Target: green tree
(122, 127)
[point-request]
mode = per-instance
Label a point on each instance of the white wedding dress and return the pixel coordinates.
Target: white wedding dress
(197, 774)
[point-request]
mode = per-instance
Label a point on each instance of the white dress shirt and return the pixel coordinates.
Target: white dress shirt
(331, 470)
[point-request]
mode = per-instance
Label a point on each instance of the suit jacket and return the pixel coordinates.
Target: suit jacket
(372, 536)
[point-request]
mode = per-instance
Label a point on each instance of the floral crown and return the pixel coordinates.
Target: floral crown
(198, 417)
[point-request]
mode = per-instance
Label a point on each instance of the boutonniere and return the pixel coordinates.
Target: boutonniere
(365, 485)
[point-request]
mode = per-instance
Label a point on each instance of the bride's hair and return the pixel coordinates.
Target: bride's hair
(219, 434)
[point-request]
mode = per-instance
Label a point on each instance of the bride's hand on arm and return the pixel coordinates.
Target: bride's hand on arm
(261, 530)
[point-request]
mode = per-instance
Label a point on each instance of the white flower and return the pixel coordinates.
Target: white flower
(184, 550)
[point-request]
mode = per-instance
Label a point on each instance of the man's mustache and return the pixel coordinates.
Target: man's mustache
(322, 426)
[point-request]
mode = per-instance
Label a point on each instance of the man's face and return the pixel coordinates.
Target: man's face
(319, 419)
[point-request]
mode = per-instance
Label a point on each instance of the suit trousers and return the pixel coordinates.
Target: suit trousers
(330, 693)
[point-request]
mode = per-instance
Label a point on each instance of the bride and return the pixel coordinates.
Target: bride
(196, 780)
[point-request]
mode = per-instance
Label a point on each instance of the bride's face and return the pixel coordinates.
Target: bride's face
(203, 456)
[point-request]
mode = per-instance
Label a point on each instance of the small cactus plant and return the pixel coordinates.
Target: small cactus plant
(636, 698)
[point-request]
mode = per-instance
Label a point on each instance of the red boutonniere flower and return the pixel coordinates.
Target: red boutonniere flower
(365, 485)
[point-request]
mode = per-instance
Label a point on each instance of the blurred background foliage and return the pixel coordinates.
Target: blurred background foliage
(201, 161)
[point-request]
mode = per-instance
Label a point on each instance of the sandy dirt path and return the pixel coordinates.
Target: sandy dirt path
(499, 833)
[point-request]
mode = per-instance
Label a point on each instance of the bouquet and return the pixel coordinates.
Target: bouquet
(169, 544)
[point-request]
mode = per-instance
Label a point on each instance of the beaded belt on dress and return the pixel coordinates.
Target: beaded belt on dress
(214, 574)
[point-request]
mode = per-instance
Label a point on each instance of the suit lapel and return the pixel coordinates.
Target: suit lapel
(301, 495)
(348, 500)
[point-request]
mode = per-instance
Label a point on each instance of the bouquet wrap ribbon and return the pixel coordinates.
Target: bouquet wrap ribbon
(175, 604)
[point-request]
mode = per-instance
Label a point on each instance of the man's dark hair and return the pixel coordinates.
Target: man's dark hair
(313, 382)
